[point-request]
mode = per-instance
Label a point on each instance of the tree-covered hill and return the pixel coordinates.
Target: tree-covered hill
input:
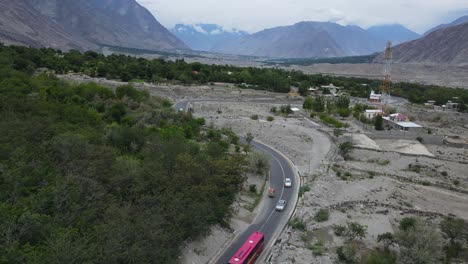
(91, 175)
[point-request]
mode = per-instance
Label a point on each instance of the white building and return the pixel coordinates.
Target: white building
(372, 113)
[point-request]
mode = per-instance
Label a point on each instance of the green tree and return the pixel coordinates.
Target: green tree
(319, 104)
(414, 246)
(378, 123)
(308, 103)
(346, 148)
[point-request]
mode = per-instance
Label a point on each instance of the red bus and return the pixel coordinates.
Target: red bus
(250, 250)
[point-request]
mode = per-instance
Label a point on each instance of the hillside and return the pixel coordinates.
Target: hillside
(443, 46)
(85, 24)
(21, 24)
(459, 21)
(204, 37)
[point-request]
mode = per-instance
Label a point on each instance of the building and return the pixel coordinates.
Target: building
(375, 98)
(372, 113)
(400, 122)
(398, 118)
(313, 91)
(332, 88)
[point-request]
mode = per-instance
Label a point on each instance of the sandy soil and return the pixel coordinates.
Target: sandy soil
(385, 181)
(451, 76)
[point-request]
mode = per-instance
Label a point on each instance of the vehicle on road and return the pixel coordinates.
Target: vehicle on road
(280, 205)
(271, 192)
(250, 249)
(287, 182)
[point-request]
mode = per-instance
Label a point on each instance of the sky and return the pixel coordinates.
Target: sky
(255, 15)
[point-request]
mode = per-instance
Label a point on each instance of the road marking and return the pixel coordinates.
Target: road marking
(284, 176)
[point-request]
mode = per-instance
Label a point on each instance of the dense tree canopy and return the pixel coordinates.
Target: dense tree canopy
(89, 175)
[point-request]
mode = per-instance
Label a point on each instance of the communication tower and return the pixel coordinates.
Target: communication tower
(387, 80)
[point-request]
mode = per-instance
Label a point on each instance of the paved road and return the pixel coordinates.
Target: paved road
(269, 221)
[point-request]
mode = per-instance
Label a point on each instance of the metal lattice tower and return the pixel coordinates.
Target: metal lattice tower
(387, 80)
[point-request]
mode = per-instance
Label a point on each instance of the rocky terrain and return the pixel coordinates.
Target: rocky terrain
(21, 24)
(84, 25)
(382, 181)
(443, 46)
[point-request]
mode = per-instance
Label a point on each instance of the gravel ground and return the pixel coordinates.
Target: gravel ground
(381, 186)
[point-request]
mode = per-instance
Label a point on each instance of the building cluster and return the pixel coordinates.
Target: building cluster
(450, 105)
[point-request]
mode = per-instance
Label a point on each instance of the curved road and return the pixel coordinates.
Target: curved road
(268, 221)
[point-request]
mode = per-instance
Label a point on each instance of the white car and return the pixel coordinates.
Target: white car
(287, 182)
(280, 205)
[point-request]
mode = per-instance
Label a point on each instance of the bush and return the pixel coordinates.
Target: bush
(407, 223)
(332, 121)
(322, 215)
(420, 139)
(339, 230)
(318, 248)
(270, 118)
(313, 115)
(254, 117)
(297, 223)
(303, 190)
(348, 254)
(379, 257)
(253, 188)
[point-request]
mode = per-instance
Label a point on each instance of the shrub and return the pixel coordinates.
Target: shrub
(348, 254)
(303, 190)
(444, 173)
(297, 223)
(254, 117)
(253, 188)
(407, 223)
(318, 248)
(379, 257)
(420, 139)
(270, 118)
(322, 215)
(339, 230)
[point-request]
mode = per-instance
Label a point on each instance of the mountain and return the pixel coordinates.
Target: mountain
(205, 36)
(305, 39)
(443, 46)
(123, 23)
(459, 21)
(394, 33)
(21, 24)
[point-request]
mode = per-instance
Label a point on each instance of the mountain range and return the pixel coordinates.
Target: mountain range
(83, 24)
(205, 37)
(315, 40)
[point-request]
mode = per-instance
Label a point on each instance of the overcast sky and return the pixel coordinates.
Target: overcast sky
(255, 15)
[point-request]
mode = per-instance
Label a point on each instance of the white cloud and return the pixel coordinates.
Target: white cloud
(255, 15)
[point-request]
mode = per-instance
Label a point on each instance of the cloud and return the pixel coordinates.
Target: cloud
(255, 15)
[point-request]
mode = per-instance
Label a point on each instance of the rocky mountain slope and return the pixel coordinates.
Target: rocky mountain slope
(459, 21)
(20, 24)
(123, 23)
(443, 46)
(313, 40)
(205, 36)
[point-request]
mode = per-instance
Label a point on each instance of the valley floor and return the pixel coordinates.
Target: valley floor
(377, 186)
